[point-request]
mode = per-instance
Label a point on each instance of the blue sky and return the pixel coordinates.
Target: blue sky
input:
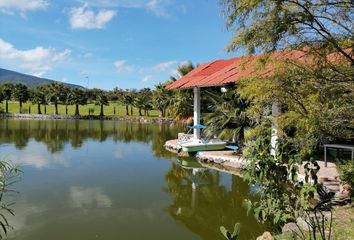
(110, 43)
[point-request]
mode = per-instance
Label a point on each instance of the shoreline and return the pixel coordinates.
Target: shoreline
(72, 117)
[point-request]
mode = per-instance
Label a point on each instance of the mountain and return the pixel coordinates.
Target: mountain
(30, 81)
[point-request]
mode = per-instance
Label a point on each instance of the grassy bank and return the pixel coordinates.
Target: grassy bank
(343, 224)
(84, 110)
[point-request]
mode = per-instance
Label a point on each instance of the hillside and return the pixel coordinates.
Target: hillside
(30, 81)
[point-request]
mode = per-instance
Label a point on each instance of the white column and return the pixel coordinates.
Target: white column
(274, 137)
(196, 119)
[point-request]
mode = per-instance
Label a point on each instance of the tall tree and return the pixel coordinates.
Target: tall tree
(268, 25)
(162, 98)
(182, 104)
(38, 97)
(101, 100)
(21, 94)
(77, 97)
(57, 93)
(7, 90)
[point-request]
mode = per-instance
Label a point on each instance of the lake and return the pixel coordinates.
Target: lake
(114, 180)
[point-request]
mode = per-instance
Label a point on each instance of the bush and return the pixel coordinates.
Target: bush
(346, 171)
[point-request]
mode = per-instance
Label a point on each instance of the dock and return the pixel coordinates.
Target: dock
(228, 161)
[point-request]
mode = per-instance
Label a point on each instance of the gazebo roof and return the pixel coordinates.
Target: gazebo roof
(220, 72)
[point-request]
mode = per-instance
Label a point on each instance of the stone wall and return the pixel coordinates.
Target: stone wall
(116, 118)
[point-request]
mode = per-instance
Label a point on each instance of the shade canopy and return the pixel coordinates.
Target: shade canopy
(221, 72)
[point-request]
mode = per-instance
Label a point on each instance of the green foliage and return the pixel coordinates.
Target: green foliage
(231, 236)
(268, 25)
(162, 98)
(8, 175)
(347, 174)
(283, 196)
(227, 116)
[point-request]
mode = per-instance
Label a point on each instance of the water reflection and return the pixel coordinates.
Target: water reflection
(114, 180)
(202, 204)
(55, 134)
(88, 197)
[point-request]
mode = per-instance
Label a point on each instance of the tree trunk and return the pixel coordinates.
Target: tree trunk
(29, 109)
(45, 109)
(7, 106)
(77, 113)
(20, 110)
(101, 113)
(56, 108)
(66, 109)
(114, 111)
(126, 110)
(131, 110)
(161, 113)
(39, 108)
(140, 112)
(147, 111)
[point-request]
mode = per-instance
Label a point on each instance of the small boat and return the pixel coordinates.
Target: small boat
(196, 145)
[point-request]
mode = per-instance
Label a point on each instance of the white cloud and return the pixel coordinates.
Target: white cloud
(38, 60)
(157, 7)
(164, 66)
(88, 197)
(12, 6)
(147, 78)
(122, 66)
(82, 17)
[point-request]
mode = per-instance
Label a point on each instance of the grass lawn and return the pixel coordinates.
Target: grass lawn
(84, 110)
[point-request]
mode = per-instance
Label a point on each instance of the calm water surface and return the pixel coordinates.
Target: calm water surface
(114, 180)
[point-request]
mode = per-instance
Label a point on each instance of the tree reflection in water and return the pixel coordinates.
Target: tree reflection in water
(202, 204)
(57, 133)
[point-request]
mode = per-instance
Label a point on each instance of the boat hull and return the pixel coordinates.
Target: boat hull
(203, 147)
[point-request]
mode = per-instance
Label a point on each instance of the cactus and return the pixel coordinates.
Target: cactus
(230, 236)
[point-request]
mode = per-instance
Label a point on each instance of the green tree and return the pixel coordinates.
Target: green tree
(142, 100)
(182, 104)
(268, 25)
(162, 98)
(77, 97)
(227, 117)
(56, 92)
(127, 100)
(21, 94)
(7, 90)
(38, 97)
(101, 99)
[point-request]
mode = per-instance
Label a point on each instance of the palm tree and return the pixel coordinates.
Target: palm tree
(126, 100)
(38, 97)
(227, 116)
(162, 98)
(21, 94)
(101, 99)
(182, 104)
(44, 89)
(7, 90)
(57, 92)
(77, 97)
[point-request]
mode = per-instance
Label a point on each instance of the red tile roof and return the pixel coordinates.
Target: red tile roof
(220, 72)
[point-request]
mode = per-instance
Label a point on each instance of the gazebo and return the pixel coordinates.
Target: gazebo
(221, 72)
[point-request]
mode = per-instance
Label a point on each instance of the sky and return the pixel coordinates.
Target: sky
(110, 43)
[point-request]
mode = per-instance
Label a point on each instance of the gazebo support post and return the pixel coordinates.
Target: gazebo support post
(196, 118)
(274, 135)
